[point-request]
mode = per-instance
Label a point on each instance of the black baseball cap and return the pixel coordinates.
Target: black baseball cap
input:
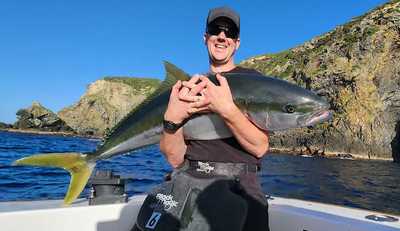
(223, 12)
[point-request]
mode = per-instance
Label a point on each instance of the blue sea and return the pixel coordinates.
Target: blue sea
(366, 184)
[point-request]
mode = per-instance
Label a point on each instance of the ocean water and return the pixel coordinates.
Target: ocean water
(372, 185)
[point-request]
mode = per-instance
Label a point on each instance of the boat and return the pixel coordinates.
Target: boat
(285, 214)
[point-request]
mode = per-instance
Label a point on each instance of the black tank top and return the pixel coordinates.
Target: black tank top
(221, 150)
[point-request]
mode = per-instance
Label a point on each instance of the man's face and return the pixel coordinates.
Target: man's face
(221, 41)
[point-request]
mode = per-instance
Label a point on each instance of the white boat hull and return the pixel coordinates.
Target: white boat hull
(285, 215)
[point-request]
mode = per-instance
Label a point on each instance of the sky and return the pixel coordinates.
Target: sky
(51, 50)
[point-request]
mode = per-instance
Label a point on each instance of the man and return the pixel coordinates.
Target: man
(214, 184)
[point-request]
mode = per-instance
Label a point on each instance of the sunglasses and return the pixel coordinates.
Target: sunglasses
(230, 31)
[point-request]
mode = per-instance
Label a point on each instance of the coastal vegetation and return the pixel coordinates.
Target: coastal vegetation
(140, 86)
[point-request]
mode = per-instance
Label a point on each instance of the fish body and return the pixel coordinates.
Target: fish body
(270, 103)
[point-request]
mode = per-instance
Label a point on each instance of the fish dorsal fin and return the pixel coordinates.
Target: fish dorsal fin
(173, 74)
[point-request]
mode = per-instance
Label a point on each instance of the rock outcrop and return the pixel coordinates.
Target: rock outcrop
(5, 126)
(37, 117)
(106, 102)
(357, 68)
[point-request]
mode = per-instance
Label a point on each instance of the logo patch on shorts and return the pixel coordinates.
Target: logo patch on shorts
(204, 167)
(152, 222)
(167, 201)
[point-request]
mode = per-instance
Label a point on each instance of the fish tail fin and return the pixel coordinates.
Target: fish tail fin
(75, 163)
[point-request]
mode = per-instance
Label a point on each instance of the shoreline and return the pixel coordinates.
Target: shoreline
(290, 151)
(333, 155)
(36, 132)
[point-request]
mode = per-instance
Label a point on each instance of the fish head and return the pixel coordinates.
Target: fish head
(280, 105)
(304, 111)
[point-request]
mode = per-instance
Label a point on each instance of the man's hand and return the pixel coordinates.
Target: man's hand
(184, 98)
(192, 93)
(176, 109)
(217, 99)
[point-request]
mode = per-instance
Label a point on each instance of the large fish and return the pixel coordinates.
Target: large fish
(272, 104)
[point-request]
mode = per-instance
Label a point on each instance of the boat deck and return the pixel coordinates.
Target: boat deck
(285, 215)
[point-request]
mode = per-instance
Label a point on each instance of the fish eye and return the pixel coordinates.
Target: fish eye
(289, 108)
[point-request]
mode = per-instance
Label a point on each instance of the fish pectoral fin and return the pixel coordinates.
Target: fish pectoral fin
(260, 124)
(75, 163)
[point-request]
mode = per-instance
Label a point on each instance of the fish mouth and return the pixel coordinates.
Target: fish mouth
(319, 117)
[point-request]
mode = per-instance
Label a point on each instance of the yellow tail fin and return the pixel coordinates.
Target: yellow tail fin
(74, 163)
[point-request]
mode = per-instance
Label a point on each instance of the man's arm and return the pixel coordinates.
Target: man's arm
(174, 147)
(172, 144)
(250, 137)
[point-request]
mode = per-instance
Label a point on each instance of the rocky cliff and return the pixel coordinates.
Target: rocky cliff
(105, 102)
(357, 68)
(39, 118)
